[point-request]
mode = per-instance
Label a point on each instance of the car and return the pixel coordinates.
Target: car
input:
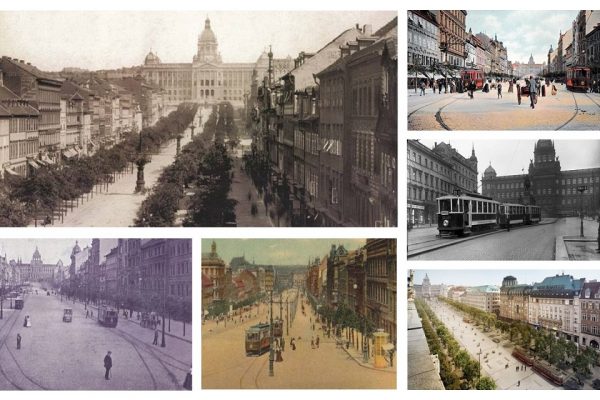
(68, 315)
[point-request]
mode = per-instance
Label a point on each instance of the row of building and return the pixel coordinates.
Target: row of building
(240, 280)
(362, 280)
(561, 303)
(441, 170)
(579, 45)
(131, 273)
(48, 117)
(439, 39)
(328, 129)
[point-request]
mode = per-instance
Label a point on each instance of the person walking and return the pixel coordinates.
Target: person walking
(532, 92)
(107, 365)
(18, 341)
(499, 90)
(87, 314)
(155, 342)
(317, 342)
(422, 89)
(187, 383)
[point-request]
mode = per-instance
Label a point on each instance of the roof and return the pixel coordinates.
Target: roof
(207, 34)
(558, 286)
(31, 69)
(591, 290)
(13, 105)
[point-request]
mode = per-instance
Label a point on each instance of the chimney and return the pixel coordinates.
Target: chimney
(28, 63)
(368, 29)
(22, 61)
(357, 26)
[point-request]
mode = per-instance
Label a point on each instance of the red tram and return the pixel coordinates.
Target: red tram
(277, 328)
(258, 340)
(578, 79)
(468, 75)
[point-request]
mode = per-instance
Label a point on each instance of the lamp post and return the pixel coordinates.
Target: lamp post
(164, 295)
(192, 127)
(140, 162)
(269, 287)
(581, 189)
(2, 295)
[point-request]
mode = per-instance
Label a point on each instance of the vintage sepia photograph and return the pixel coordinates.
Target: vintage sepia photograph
(299, 314)
(198, 119)
(503, 70)
(503, 329)
(535, 200)
(95, 314)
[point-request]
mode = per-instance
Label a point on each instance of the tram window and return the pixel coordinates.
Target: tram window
(252, 336)
(444, 205)
(454, 205)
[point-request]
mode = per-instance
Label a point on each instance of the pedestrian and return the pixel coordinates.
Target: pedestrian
(317, 342)
(508, 223)
(18, 341)
(155, 342)
(107, 365)
(499, 90)
(554, 91)
(510, 86)
(92, 314)
(87, 314)
(187, 383)
(532, 92)
(312, 343)
(422, 89)
(519, 384)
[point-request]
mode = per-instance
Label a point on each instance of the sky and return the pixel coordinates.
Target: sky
(509, 157)
(109, 39)
(51, 250)
(523, 32)
(277, 251)
(473, 277)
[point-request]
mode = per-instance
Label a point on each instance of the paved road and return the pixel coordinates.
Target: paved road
(494, 356)
(566, 110)
(240, 187)
(225, 365)
(69, 356)
(535, 242)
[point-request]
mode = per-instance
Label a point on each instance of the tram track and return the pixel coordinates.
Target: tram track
(573, 116)
(593, 101)
(426, 105)
(9, 327)
(258, 370)
(140, 347)
(438, 115)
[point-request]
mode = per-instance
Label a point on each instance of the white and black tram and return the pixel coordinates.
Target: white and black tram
(512, 214)
(533, 214)
(464, 213)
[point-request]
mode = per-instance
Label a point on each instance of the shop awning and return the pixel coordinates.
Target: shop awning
(33, 164)
(48, 160)
(69, 153)
(11, 171)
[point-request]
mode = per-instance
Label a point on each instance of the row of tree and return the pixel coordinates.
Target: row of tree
(541, 343)
(45, 191)
(202, 168)
(457, 369)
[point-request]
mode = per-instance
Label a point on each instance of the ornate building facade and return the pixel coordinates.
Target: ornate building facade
(207, 79)
(547, 185)
(36, 270)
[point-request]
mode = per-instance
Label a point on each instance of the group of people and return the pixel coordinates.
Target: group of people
(452, 85)
(535, 89)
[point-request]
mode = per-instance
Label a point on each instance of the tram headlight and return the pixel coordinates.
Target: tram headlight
(446, 223)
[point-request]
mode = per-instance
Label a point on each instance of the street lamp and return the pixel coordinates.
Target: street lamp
(140, 162)
(581, 189)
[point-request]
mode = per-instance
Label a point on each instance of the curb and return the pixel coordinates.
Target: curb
(367, 366)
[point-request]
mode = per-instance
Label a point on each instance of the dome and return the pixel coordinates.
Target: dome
(207, 34)
(489, 171)
(151, 58)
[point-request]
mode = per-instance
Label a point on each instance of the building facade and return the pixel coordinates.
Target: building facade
(486, 298)
(589, 301)
(452, 36)
(381, 291)
(514, 300)
(423, 39)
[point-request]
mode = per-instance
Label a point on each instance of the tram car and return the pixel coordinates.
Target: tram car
(464, 213)
(513, 214)
(278, 328)
(578, 79)
(468, 75)
(533, 214)
(258, 340)
(107, 316)
(19, 302)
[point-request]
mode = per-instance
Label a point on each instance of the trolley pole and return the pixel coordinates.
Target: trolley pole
(287, 317)
(271, 354)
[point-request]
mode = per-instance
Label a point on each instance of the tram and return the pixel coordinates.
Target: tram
(533, 214)
(512, 214)
(19, 302)
(468, 75)
(258, 340)
(465, 213)
(107, 316)
(578, 79)
(278, 328)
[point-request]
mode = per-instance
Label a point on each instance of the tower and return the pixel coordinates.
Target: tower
(544, 177)
(208, 47)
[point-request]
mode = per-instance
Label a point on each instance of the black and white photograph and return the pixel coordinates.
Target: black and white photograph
(498, 70)
(95, 314)
(503, 199)
(198, 119)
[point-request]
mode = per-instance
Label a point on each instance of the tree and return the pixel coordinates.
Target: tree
(485, 383)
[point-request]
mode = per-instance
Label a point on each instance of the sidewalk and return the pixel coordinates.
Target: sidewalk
(240, 186)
